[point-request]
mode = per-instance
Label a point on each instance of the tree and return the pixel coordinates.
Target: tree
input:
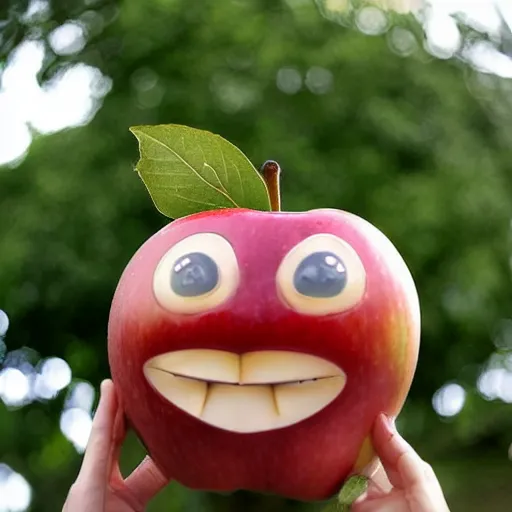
(418, 146)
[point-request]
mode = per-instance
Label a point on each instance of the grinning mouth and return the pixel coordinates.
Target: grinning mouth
(245, 393)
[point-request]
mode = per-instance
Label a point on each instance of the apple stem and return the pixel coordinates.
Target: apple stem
(271, 172)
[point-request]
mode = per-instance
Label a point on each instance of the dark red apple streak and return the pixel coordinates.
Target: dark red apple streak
(376, 343)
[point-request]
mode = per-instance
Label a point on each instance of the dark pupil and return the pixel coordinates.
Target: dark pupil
(194, 274)
(321, 274)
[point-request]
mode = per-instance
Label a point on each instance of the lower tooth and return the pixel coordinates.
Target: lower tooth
(251, 408)
(240, 408)
(187, 394)
(299, 401)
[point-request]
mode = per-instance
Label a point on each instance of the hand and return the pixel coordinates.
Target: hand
(100, 487)
(403, 482)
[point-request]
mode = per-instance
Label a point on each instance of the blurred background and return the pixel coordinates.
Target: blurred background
(399, 111)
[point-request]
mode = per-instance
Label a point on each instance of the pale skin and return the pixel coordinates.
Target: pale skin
(100, 487)
(403, 482)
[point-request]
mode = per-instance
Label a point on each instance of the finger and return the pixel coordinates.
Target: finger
(96, 462)
(84, 498)
(376, 474)
(373, 491)
(145, 481)
(390, 503)
(370, 469)
(118, 437)
(403, 466)
(379, 481)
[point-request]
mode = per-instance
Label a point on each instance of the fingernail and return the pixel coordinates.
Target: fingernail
(104, 385)
(390, 421)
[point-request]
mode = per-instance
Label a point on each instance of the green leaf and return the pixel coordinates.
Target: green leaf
(352, 489)
(187, 171)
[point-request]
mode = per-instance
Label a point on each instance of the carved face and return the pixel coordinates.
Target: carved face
(254, 350)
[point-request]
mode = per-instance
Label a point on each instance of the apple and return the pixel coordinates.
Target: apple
(254, 350)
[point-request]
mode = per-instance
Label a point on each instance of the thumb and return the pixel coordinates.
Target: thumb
(145, 481)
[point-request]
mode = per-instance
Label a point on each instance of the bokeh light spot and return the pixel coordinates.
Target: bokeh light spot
(289, 80)
(487, 59)
(81, 396)
(402, 41)
(489, 383)
(67, 39)
(372, 21)
(4, 323)
(38, 10)
(449, 400)
(56, 373)
(15, 491)
(144, 79)
(14, 386)
(319, 80)
(505, 389)
(76, 425)
(232, 94)
(443, 35)
(70, 98)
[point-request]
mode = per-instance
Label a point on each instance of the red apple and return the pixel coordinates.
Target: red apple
(254, 350)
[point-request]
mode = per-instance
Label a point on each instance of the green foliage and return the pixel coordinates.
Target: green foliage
(11, 13)
(419, 147)
(187, 171)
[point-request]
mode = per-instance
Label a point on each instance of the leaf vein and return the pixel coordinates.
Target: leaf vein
(198, 202)
(165, 146)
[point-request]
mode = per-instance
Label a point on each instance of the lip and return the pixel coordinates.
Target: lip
(245, 393)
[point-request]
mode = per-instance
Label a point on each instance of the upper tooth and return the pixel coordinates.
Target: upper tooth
(264, 367)
(300, 400)
(187, 394)
(272, 366)
(210, 365)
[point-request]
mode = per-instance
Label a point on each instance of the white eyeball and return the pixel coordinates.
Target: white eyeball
(197, 274)
(321, 275)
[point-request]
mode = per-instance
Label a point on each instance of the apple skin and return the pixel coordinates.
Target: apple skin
(376, 343)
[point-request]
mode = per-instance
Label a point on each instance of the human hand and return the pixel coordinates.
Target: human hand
(403, 482)
(100, 487)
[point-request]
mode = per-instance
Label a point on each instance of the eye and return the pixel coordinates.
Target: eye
(321, 275)
(194, 274)
(197, 274)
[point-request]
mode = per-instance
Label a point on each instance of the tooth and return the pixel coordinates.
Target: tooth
(299, 401)
(264, 405)
(187, 394)
(211, 365)
(265, 367)
(240, 408)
